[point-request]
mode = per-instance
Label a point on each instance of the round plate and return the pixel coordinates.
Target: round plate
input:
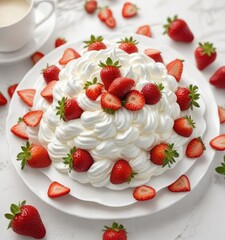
(38, 182)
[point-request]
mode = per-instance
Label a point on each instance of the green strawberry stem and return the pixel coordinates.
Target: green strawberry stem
(170, 154)
(60, 108)
(194, 96)
(88, 83)
(93, 39)
(221, 169)
(109, 110)
(115, 226)
(190, 120)
(169, 22)
(129, 40)
(25, 155)
(68, 160)
(207, 48)
(109, 62)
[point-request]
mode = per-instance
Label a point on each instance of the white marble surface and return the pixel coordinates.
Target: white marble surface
(198, 216)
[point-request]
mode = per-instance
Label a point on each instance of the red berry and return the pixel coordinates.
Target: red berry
(129, 10)
(56, 190)
(152, 93)
(154, 54)
(115, 232)
(47, 91)
(93, 89)
(90, 6)
(221, 113)
(144, 30)
(182, 184)
(95, 43)
(128, 45)
(20, 129)
(184, 126)
(59, 42)
(195, 148)
(36, 57)
(33, 118)
(3, 100)
(218, 78)
(110, 22)
(144, 193)
(110, 103)
(68, 55)
(104, 13)
(218, 143)
(11, 89)
(27, 96)
(175, 69)
(51, 73)
(134, 101)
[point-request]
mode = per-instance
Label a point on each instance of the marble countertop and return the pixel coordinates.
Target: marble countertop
(200, 214)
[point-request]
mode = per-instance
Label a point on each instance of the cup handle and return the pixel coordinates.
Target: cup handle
(52, 3)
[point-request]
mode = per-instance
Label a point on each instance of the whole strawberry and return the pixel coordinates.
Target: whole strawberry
(59, 42)
(178, 30)
(90, 6)
(95, 43)
(184, 126)
(152, 93)
(11, 89)
(25, 220)
(205, 54)
(128, 45)
(114, 232)
(51, 73)
(218, 78)
(3, 100)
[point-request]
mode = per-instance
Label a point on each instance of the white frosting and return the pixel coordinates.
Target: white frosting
(125, 135)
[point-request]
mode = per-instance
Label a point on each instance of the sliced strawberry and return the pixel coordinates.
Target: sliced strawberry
(144, 30)
(175, 68)
(104, 13)
(51, 73)
(59, 42)
(3, 100)
(184, 126)
(218, 143)
(154, 54)
(152, 93)
(143, 193)
(90, 6)
(128, 45)
(68, 55)
(47, 91)
(134, 101)
(121, 86)
(110, 103)
(110, 22)
(182, 184)
(195, 148)
(218, 78)
(36, 57)
(11, 89)
(20, 129)
(33, 118)
(56, 190)
(93, 89)
(221, 112)
(129, 10)
(27, 95)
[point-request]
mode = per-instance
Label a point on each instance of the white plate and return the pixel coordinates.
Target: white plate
(39, 183)
(41, 35)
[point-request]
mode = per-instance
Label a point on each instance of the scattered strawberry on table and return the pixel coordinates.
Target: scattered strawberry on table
(144, 30)
(129, 10)
(218, 78)
(218, 143)
(56, 190)
(144, 193)
(3, 100)
(90, 6)
(221, 169)
(195, 148)
(11, 89)
(182, 184)
(175, 68)
(60, 41)
(36, 57)
(114, 232)
(105, 15)
(25, 220)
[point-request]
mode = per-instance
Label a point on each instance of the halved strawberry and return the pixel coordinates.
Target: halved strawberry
(110, 103)
(47, 91)
(182, 184)
(121, 86)
(95, 43)
(143, 193)
(104, 13)
(221, 112)
(68, 55)
(144, 30)
(129, 10)
(195, 148)
(36, 57)
(56, 190)
(20, 129)
(59, 42)
(110, 22)
(51, 73)
(218, 143)
(93, 89)
(27, 95)
(152, 93)
(175, 68)
(154, 54)
(11, 89)
(3, 100)
(128, 45)
(90, 6)
(134, 101)
(184, 126)
(218, 78)
(33, 118)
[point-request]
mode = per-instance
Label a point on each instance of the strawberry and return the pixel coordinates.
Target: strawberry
(154, 54)
(184, 126)
(11, 89)
(144, 30)
(20, 129)
(33, 118)
(221, 113)
(36, 57)
(178, 30)
(187, 97)
(205, 54)
(56, 190)
(79, 160)
(129, 10)
(104, 13)
(218, 143)
(110, 22)
(121, 172)
(68, 109)
(114, 232)
(93, 89)
(110, 71)
(152, 93)
(182, 184)
(51, 73)
(110, 103)
(59, 42)
(143, 193)
(68, 55)
(47, 91)
(163, 154)
(218, 78)
(90, 6)
(195, 148)
(3, 100)
(121, 86)
(134, 101)
(36, 156)
(27, 96)
(128, 45)
(175, 69)
(25, 220)
(95, 43)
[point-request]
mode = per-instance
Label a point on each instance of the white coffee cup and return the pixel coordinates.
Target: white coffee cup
(17, 22)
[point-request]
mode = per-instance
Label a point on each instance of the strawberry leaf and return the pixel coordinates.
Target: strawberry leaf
(221, 169)
(170, 154)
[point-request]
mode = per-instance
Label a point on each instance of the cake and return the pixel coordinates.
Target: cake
(126, 133)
